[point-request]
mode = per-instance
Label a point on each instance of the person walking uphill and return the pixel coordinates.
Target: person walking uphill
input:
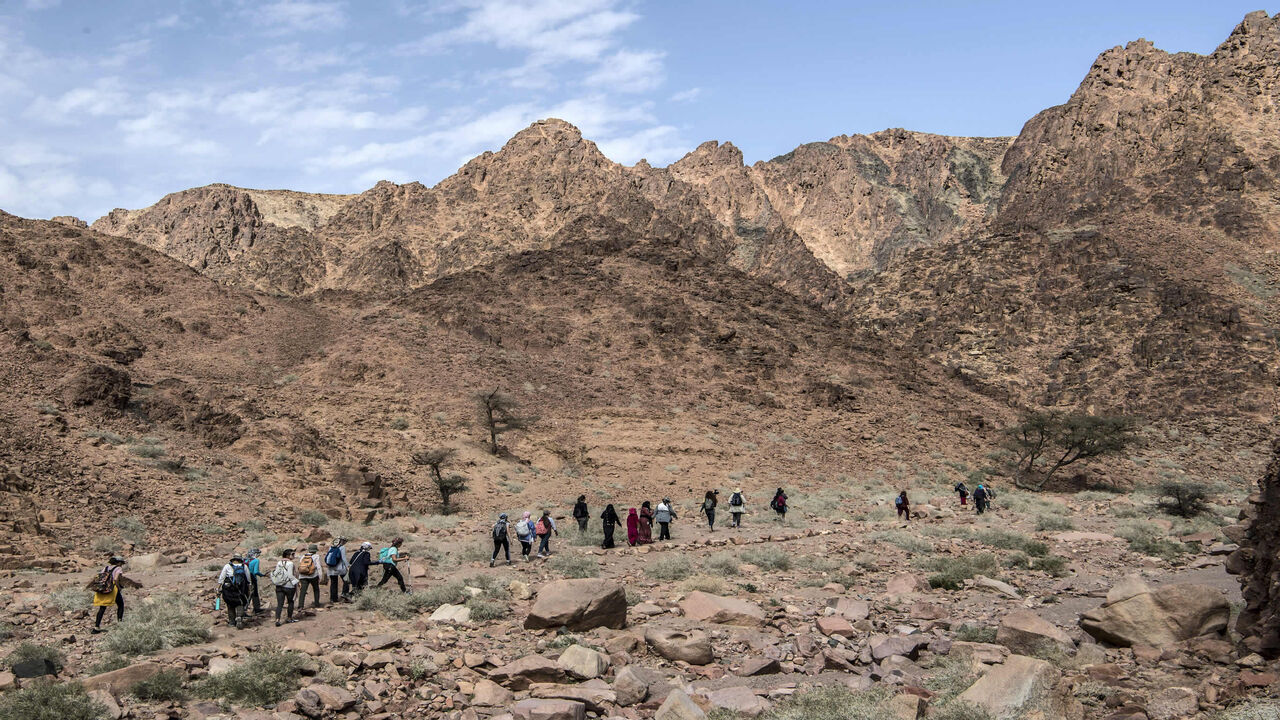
(358, 573)
(980, 499)
(526, 535)
(255, 571)
(963, 491)
(644, 535)
(581, 514)
(709, 508)
(501, 539)
(309, 576)
(544, 528)
(903, 504)
(779, 504)
(337, 564)
(389, 556)
(106, 586)
(609, 522)
(663, 515)
(737, 504)
(633, 527)
(233, 586)
(285, 578)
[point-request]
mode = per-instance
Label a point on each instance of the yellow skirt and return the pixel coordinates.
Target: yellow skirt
(105, 599)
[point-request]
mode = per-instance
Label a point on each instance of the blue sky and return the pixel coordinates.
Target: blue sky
(114, 104)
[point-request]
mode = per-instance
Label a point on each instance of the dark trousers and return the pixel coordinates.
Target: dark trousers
(102, 610)
(981, 505)
(737, 518)
(285, 595)
(526, 547)
(608, 535)
(544, 544)
(314, 584)
(582, 524)
(664, 531)
(253, 594)
(390, 571)
(236, 607)
(504, 544)
(711, 518)
(333, 587)
(359, 579)
(904, 510)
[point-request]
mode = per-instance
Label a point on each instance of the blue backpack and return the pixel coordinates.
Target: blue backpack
(333, 558)
(237, 585)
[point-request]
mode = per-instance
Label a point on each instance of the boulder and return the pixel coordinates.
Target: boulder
(1026, 633)
(548, 709)
(852, 610)
(835, 625)
(679, 706)
(595, 694)
(490, 694)
(320, 700)
(739, 699)
(1159, 618)
(451, 614)
(691, 646)
(760, 666)
(631, 684)
(305, 647)
(1010, 687)
(1001, 587)
(905, 584)
(150, 561)
(582, 663)
(1173, 703)
(905, 706)
(579, 605)
(705, 607)
(884, 646)
(119, 682)
(527, 670)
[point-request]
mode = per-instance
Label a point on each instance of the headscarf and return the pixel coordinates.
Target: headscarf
(527, 515)
(610, 515)
(366, 545)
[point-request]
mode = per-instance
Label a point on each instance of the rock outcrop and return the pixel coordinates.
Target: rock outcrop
(1258, 563)
(1134, 614)
(579, 605)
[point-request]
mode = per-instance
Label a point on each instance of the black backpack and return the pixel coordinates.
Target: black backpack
(735, 499)
(237, 585)
(500, 530)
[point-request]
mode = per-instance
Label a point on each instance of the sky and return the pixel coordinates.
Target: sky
(115, 104)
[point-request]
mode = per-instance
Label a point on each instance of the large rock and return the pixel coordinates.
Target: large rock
(595, 694)
(323, 700)
(1257, 562)
(543, 709)
(1159, 617)
(579, 605)
(631, 684)
(739, 699)
(705, 607)
(582, 663)
(118, 682)
(1020, 682)
(150, 561)
(488, 693)
(1026, 633)
(884, 646)
(1173, 703)
(691, 646)
(679, 706)
(529, 669)
(451, 615)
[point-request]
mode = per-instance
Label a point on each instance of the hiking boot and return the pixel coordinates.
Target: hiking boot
(95, 631)
(278, 623)
(491, 562)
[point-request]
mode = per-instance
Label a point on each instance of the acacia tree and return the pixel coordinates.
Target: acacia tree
(448, 485)
(498, 415)
(1058, 440)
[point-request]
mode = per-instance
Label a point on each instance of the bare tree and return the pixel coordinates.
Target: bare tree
(498, 415)
(448, 485)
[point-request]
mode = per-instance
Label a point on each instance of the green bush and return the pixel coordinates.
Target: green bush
(1054, 523)
(483, 609)
(704, 583)
(164, 686)
(1147, 538)
(767, 557)
(148, 451)
(31, 651)
(314, 518)
(131, 529)
(723, 563)
(1185, 499)
(167, 621)
(670, 567)
(975, 633)
(400, 606)
(70, 598)
(265, 678)
(47, 700)
(904, 540)
(1251, 709)
(1007, 540)
(832, 703)
(951, 572)
(575, 566)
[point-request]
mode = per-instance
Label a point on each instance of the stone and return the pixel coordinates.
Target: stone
(905, 584)
(631, 684)
(150, 561)
(519, 590)
(852, 610)
(1249, 678)
(451, 614)
(883, 646)
(318, 700)
(527, 670)
(582, 663)
(579, 605)
(1026, 633)
(489, 693)
(548, 709)
(691, 646)
(7, 680)
(705, 607)
(1009, 688)
(679, 706)
(1173, 703)
(835, 625)
(34, 668)
(108, 702)
(1159, 618)
(379, 659)
(383, 641)
(905, 706)
(738, 699)
(1003, 588)
(759, 666)
(119, 682)
(305, 647)
(595, 694)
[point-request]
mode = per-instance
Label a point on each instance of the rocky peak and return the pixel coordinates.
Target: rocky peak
(710, 155)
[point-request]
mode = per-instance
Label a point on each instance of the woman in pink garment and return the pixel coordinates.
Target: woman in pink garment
(633, 527)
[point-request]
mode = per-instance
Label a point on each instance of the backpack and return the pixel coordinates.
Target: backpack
(307, 566)
(333, 558)
(384, 555)
(898, 501)
(708, 504)
(522, 529)
(736, 499)
(773, 504)
(237, 584)
(542, 527)
(281, 575)
(105, 581)
(499, 530)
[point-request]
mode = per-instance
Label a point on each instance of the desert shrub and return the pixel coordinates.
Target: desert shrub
(704, 583)
(594, 536)
(164, 686)
(949, 676)
(104, 435)
(951, 572)
(314, 518)
(252, 526)
(818, 563)
(1147, 539)
(671, 567)
(832, 703)
(1251, 709)
(106, 545)
(767, 557)
(1007, 540)
(400, 606)
(29, 651)
(131, 529)
(904, 540)
(960, 711)
(1055, 565)
(1054, 523)
(7, 630)
(266, 677)
(1182, 498)
(150, 452)
(107, 662)
(483, 608)
(491, 586)
(575, 566)
(723, 563)
(167, 621)
(70, 598)
(47, 700)
(399, 423)
(975, 633)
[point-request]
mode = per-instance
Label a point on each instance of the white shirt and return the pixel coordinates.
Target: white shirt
(341, 568)
(318, 560)
(228, 570)
(293, 573)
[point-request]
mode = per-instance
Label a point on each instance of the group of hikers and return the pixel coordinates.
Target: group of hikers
(982, 496)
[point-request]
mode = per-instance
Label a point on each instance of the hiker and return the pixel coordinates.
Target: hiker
(544, 528)
(233, 584)
(337, 564)
(663, 514)
(106, 587)
(285, 578)
(737, 504)
(963, 492)
(358, 573)
(255, 572)
(903, 504)
(709, 508)
(645, 527)
(501, 539)
(388, 557)
(525, 534)
(779, 504)
(609, 519)
(980, 499)
(309, 576)
(581, 514)
(633, 527)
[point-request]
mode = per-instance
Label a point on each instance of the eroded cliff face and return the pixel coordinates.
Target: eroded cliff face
(1257, 562)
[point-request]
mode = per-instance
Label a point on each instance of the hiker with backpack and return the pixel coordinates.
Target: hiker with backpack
(709, 508)
(609, 519)
(358, 572)
(525, 534)
(645, 525)
(963, 492)
(737, 504)
(779, 504)
(233, 587)
(903, 504)
(501, 539)
(980, 498)
(255, 572)
(285, 578)
(581, 514)
(388, 557)
(545, 526)
(309, 576)
(337, 564)
(106, 586)
(663, 514)
(633, 527)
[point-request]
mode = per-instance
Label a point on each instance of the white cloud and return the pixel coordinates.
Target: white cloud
(659, 145)
(41, 4)
(294, 58)
(125, 52)
(686, 95)
(628, 71)
(106, 96)
(288, 16)
(373, 176)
